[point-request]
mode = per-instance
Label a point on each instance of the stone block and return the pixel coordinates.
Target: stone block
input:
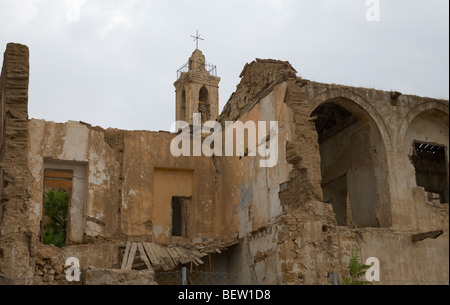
(289, 245)
(95, 276)
(59, 269)
(47, 251)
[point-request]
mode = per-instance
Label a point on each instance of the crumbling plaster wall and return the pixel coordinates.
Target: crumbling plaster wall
(402, 262)
(309, 244)
(130, 174)
(252, 189)
(167, 184)
(75, 231)
(251, 192)
(425, 128)
(77, 142)
(429, 126)
(143, 152)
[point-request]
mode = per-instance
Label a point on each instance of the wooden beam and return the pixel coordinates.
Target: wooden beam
(63, 184)
(196, 256)
(57, 174)
(174, 255)
(131, 256)
(153, 257)
(167, 259)
(125, 256)
(198, 253)
(336, 129)
(160, 254)
(193, 260)
(143, 257)
(184, 259)
(139, 266)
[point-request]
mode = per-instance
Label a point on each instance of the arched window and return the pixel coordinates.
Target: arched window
(183, 105)
(203, 104)
(426, 154)
(348, 165)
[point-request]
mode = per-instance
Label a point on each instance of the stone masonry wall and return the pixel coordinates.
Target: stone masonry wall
(15, 236)
(306, 238)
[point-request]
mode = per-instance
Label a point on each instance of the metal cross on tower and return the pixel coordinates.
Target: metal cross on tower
(196, 39)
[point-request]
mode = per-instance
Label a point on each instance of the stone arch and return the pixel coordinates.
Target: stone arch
(183, 105)
(438, 106)
(425, 129)
(359, 106)
(203, 103)
(378, 135)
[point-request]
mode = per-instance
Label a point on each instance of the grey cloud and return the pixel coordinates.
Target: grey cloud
(115, 67)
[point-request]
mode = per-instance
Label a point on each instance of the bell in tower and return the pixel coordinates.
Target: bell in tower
(197, 90)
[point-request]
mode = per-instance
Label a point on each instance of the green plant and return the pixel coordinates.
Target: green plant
(356, 270)
(56, 205)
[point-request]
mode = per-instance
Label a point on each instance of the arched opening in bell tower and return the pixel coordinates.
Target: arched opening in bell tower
(183, 105)
(203, 104)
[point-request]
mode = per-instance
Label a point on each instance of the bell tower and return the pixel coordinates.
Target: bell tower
(197, 90)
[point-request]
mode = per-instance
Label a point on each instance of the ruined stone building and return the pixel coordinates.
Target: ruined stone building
(357, 169)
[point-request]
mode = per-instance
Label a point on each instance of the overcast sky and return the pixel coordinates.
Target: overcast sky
(112, 63)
